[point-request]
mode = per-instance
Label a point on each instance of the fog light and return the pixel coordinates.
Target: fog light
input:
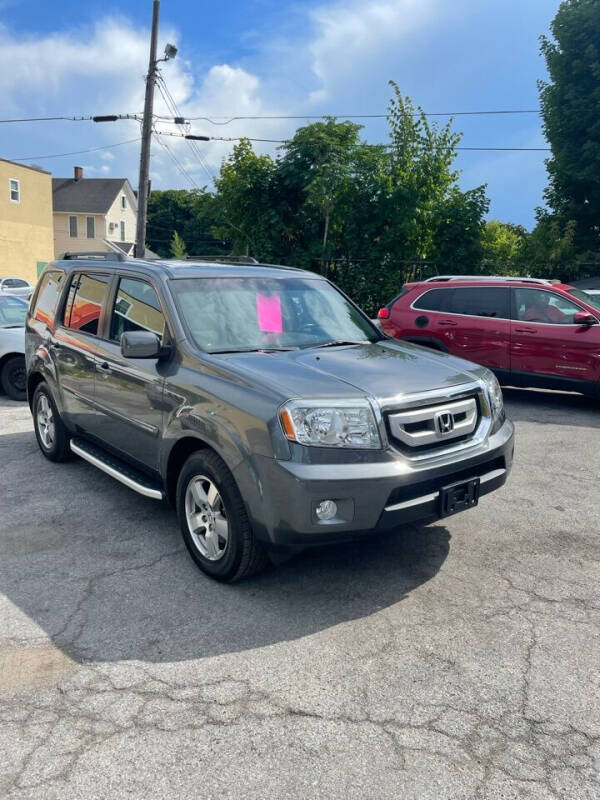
(327, 509)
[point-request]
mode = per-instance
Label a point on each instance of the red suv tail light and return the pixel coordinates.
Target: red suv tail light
(383, 313)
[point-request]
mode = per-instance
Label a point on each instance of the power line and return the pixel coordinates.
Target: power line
(226, 120)
(175, 160)
(76, 152)
(93, 118)
(368, 144)
(183, 126)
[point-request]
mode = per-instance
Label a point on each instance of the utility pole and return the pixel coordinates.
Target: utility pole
(140, 233)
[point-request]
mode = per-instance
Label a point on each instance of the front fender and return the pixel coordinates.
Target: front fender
(40, 363)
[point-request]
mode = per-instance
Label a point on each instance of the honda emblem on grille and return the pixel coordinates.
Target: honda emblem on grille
(444, 422)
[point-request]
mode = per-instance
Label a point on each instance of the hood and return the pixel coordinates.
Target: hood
(385, 370)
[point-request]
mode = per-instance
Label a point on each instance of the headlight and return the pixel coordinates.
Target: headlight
(338, 423)
(495, 395)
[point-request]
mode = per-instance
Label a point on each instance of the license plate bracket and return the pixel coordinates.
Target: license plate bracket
(459, 496)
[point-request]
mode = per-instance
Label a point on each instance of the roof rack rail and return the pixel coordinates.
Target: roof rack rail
(95, 255)
(443, 278)
(224, 259)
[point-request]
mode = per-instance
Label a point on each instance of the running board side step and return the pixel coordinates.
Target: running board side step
(117, 469)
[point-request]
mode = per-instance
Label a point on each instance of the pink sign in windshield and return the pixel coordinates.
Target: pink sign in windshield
(268, 310)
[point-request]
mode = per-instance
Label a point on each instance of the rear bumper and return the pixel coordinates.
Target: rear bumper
(372, 496)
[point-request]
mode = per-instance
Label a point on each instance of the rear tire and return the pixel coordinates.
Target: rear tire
(14, 378)
(50, 431)
(213, 520)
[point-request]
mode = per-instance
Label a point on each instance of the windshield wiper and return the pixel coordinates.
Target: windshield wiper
(254, 350)
(21, 325)
(340, 342)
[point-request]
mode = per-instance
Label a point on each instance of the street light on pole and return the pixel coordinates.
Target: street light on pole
(144, 176)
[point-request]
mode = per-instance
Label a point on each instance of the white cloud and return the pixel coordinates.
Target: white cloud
(101, 71)
(350, 34)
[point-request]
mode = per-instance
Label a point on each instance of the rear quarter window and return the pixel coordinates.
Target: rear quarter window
(434, 300)
(47, 296)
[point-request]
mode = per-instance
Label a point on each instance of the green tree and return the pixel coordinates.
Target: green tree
(178, 248)
(362, 214)
(503, 246)
(191, 214)
(243, 202)
(317, 164)
(570, 103)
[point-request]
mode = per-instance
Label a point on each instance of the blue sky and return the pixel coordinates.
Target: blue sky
(262, 57)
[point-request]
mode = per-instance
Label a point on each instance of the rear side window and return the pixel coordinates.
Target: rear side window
(434, 300)
(87, 295)
(47, 297)
(136, 308)
(481, 302)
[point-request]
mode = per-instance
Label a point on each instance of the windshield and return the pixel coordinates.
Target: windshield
(12, 312)
(591, 299)
(245, 314)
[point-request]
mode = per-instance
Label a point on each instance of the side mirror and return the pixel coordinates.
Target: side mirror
(140, 344)
(584, 318)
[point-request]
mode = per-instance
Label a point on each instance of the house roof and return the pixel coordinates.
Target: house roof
(25, 166)
(124, 246)
(85, 196)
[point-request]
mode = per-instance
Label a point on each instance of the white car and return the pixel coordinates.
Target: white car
(13, 380)
(16, 287)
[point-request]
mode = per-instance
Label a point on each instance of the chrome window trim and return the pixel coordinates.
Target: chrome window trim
(502, 319)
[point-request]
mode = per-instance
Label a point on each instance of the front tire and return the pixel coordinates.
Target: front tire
(14, 378)
(50, 431)
(213, 520)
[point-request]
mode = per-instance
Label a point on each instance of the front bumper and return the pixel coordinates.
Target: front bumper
(282, 496)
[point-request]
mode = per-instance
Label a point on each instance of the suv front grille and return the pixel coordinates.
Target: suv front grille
(433, 426)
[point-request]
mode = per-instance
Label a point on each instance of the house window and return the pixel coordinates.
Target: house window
(123, 201)
(73, 227)
(14, 188)
(91, 231)
(122, 231)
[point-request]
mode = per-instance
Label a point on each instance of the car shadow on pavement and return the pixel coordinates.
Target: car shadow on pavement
(559, 408)
(104, 574)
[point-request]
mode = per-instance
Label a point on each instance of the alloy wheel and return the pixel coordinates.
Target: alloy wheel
(45, 422)
(206, 517)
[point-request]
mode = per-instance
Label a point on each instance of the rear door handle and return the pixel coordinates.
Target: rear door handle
(448, 322)
(104, 367)
(525, 330)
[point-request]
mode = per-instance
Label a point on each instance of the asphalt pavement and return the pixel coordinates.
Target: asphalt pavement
(456, 660)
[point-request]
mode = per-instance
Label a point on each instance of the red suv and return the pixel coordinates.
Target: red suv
(531, 332)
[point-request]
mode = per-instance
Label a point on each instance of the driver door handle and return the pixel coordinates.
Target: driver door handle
(525, 330)
(448, 322)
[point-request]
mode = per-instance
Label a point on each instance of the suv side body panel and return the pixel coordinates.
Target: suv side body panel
(522, 352)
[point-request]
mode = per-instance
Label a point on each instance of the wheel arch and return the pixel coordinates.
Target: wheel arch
(7, 356)
(176, 458)
(33, 381)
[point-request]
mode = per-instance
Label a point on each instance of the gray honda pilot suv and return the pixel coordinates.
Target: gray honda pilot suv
(259, 401)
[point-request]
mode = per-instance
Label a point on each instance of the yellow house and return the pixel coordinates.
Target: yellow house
(26, 230)
(93, 214)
